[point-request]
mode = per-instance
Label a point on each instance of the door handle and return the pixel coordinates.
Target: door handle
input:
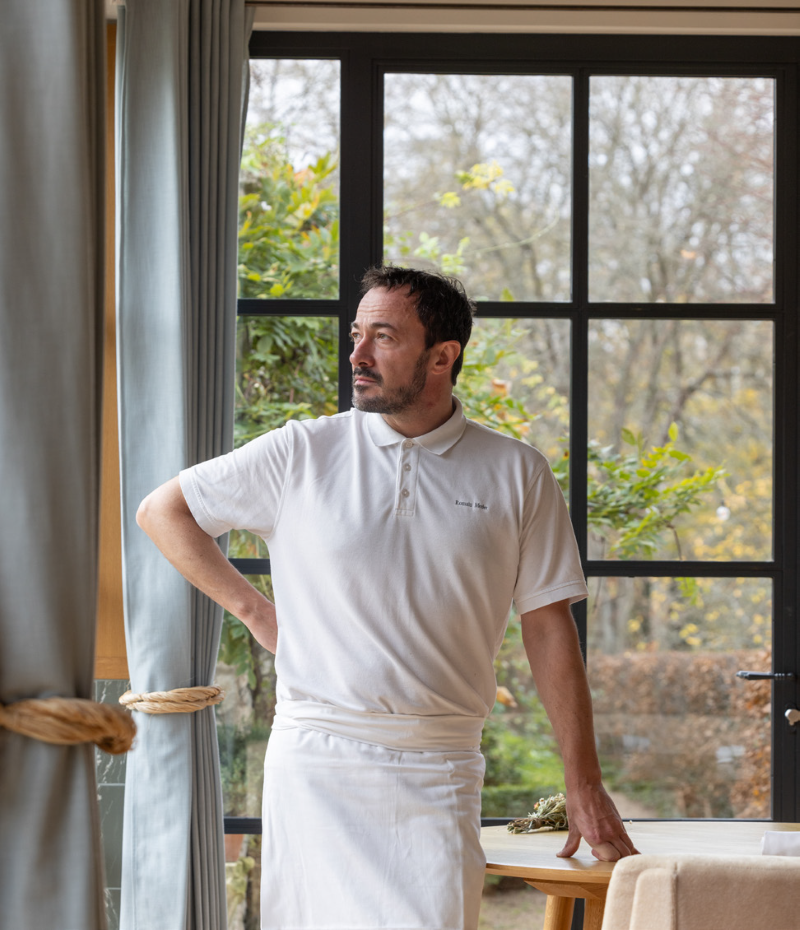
(760, 676)
(793, 716)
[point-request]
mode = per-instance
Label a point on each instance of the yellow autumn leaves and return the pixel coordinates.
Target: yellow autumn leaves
(482, 176)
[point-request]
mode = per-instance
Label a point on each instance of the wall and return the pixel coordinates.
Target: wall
(110, 658)
(712, 17)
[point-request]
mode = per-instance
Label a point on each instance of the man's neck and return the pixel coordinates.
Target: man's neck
(422, 418)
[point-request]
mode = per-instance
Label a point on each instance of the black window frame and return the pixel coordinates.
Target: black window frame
(365, 57)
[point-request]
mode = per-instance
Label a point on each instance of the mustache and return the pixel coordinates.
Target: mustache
(367, 373)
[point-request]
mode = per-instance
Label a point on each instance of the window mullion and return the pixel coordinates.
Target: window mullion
(361, 200)
(579, 388)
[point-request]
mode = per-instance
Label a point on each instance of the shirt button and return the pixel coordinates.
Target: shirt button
(405, 492)
(408, 444)
(406, 467)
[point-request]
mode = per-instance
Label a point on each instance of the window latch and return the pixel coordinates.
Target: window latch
(760, 676)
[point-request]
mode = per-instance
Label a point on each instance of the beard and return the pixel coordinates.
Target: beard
(396, 400)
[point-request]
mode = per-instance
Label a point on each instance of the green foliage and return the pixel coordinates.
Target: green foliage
(481, 177)
(233, 766)
(511, 800)
(520, 758)
(233, 741)
(235, 648)
(288, 221)
(486, 398)
(639, 495)
(286, 369)
(449, 262)
(236, 881)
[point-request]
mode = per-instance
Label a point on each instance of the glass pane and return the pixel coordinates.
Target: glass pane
(477, 180)
(681, 189)
(289, 181)
(516, 379)
(286, 368)
(679, 735)
(243, 880)
(110, 771)
(244, 545)
(680, 423)
(523, 763)
(246, 672)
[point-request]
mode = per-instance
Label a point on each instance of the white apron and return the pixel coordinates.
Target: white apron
(371, 821)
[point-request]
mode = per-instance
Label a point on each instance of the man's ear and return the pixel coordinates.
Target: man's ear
(443, 356)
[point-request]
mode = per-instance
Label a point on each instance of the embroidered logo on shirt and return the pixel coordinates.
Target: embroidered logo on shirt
(477, 505)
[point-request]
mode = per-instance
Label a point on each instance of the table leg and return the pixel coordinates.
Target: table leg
(561, 903)
(558, 912)
(593, 914)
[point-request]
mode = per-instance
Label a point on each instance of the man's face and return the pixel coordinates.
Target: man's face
(389, 358)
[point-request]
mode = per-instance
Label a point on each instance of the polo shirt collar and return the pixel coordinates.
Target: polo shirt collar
(437, 441)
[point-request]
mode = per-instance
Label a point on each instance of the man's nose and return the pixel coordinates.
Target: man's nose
(361, 356)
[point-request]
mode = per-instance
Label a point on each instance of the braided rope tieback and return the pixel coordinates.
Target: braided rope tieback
(69, 721)
(177, 701)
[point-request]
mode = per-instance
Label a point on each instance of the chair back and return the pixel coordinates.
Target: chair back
(704, 893)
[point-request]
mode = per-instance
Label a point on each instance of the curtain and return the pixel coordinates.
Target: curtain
(52, 112)
(180, 88)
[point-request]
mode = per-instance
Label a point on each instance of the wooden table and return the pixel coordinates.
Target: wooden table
(533, 858)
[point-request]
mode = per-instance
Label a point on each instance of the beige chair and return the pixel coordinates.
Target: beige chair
(704, 893)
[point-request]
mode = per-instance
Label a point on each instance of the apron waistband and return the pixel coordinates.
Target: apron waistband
(403, 732)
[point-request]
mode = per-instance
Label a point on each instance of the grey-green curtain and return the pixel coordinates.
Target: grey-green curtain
(52, 155)
(180, 87)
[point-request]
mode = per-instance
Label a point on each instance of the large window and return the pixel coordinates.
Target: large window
(624, 212)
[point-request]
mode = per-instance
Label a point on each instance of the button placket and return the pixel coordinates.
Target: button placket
(407, 469)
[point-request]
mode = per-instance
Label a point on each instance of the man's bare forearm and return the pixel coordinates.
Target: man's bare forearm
(165, 516)
(551, 643)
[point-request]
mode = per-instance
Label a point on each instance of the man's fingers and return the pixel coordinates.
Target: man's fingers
(611, 851)
(629, 843)
(607, 850)
(572, 844)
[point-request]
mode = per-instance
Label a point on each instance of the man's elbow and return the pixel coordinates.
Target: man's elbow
(165, 504)
(144, 513)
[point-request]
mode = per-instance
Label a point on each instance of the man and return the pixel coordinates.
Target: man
(399, 533)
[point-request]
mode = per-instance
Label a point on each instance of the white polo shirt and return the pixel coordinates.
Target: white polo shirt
(394, 561)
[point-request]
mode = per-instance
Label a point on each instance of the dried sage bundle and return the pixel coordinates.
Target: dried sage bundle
(548, 814)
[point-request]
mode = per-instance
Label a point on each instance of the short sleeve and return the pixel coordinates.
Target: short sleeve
(549, 562)
(242, 490)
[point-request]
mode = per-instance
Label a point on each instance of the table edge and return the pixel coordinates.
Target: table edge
(534, 873)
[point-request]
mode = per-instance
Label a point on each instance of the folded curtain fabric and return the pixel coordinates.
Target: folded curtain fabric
(180, 85)
(52, 233)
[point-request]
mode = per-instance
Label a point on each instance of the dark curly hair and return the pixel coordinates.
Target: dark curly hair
(442, 304)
